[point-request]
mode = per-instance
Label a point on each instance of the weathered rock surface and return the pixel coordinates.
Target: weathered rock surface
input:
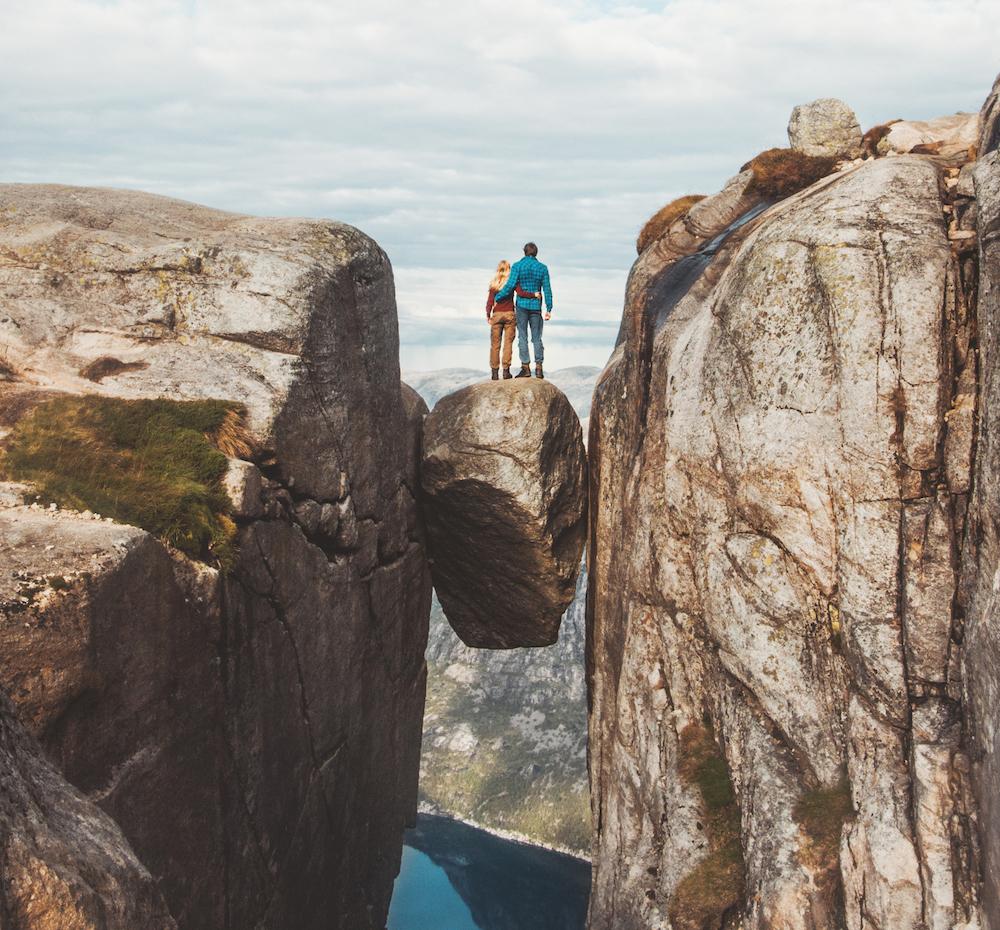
(63, 861)
(826, 127)
(255, 735)
(505, 499)
(946, 135)
(980, 594)
(989, 122)
(777, 495)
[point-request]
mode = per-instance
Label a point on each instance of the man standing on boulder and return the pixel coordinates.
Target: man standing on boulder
(529, 276)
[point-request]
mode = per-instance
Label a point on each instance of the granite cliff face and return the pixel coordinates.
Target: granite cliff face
(64, 861)
(254, 732)
(779, 661)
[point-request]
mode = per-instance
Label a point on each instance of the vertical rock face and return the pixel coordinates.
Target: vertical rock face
(255, 734)
(981, 557)
(780, 453)
(505, 498)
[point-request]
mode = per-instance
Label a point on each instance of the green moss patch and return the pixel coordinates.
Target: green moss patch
(663, 219)
(822, 813)
(155, 464)
(779, 173)
(716, 886)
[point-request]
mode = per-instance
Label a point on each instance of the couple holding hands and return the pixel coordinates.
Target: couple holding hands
(528, 282)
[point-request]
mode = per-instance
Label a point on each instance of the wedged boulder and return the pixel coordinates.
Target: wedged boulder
(825, 127)
(63, 861)
(504, 477)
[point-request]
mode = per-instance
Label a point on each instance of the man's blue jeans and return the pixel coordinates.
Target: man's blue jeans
(530, 319)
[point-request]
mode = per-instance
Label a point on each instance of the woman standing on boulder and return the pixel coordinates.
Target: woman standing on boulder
(500, 317)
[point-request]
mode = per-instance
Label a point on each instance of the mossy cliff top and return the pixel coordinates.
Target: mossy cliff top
(156, 464)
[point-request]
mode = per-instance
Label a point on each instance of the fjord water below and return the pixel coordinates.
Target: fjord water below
(455, 877)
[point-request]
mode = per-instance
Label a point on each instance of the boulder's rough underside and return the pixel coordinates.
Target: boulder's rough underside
(505, 499)
(254, 734)
(781, 451)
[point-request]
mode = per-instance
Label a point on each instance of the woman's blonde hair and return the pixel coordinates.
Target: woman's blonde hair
(500, 278)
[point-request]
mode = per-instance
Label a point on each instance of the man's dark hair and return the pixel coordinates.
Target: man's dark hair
(531, 249)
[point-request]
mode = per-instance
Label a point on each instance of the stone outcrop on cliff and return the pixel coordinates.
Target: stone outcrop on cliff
(505, 500)
(64, 862)
(780, 458)
(254, 732)
(825, 127)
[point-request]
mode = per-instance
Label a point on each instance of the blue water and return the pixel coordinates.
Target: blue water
(455, 877)
(424, 897)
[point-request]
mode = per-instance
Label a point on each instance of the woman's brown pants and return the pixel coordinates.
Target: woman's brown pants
(501, 324)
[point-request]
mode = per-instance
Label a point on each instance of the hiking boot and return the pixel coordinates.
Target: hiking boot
(507, 375)
(494, 374)
(538, 371)
(525, 372)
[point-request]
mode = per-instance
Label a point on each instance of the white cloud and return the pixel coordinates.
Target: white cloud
(453, 132)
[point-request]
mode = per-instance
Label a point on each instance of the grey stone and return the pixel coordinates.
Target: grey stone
(243, 483)
(989, 121)
(505, 498)
(309, 515)
(981, 551)
(826, 127)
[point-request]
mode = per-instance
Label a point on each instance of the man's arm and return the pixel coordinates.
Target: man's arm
(508, 288)
(547, 290)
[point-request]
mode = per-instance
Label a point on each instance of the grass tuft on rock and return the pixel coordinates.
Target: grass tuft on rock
(155, 464)
(779, 173)
(663, 219)
(716, 886)
(871, 139)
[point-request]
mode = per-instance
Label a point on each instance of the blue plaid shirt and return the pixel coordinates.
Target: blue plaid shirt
(530, 275)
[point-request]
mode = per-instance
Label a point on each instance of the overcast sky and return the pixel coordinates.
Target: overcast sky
(453, 132)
